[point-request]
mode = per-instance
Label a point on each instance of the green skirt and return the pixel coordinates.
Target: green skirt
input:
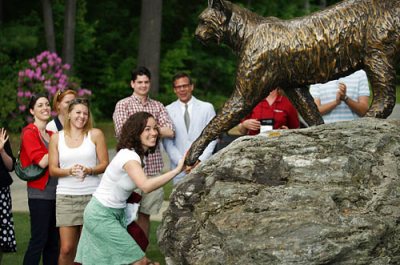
(104, 238)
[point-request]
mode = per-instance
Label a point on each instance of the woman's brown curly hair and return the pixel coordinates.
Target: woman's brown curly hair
(131, 131)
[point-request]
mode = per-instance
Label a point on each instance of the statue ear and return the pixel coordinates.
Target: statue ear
(217, 4)
(222, 6)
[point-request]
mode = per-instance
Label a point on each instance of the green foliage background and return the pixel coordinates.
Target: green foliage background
(106, 42)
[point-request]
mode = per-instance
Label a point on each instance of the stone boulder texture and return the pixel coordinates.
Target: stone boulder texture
(323, 195)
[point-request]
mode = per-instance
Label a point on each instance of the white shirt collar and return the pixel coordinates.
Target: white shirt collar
(190, 106)
(189, 103)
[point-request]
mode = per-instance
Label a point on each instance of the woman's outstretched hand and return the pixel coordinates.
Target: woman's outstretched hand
(181, 162)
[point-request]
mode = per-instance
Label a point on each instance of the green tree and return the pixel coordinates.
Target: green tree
(150, 37)
(1, 12)
(48, 25)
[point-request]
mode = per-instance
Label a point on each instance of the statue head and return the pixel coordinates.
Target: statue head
(213, 21)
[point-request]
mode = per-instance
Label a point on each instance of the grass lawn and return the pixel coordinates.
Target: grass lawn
(108, 129)
(22, 230)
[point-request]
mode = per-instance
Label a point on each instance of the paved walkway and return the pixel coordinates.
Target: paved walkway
(19, 194)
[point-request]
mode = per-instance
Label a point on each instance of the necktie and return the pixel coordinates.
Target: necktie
(186, 117)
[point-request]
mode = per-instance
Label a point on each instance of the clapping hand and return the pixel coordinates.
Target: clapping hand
(3, 138)
(78, 171)
(342, 91)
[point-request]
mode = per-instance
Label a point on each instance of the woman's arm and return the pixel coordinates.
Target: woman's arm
(135, 171)
(34, 148)
(54, 168)
(101, 152)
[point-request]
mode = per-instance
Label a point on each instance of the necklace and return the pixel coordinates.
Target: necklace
(76, 138)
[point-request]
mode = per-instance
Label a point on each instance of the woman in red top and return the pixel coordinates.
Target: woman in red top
(42, 192)
(275, 107)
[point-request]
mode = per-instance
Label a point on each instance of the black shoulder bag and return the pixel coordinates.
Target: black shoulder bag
(29, 173)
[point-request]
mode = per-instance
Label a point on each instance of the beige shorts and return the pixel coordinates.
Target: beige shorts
(151, 202)
(70, 208)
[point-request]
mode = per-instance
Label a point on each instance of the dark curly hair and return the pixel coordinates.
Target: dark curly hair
(131, 131)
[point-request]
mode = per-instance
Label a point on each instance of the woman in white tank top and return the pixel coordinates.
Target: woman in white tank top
(76, 156)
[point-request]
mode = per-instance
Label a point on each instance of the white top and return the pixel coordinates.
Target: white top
(356, 86)
(51, 126)
(116, 185)
(85, 155)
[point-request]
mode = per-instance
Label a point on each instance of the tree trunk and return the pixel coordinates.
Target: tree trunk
(150, 39)
(48, 25)
(322, 4)
(69, 32)
(249, 3)
(307, 6)
(1, 12)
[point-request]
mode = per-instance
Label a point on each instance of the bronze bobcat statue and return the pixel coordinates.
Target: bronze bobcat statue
(292, 54)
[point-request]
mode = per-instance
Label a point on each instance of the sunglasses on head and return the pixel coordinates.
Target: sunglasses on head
(83, 101)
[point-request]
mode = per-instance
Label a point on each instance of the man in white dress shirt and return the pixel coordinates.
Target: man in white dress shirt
(189, 116)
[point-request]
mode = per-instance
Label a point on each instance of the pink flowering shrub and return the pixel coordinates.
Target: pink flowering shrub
(45, 74)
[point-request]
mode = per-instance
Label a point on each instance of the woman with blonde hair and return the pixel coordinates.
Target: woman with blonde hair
(61, 102)
(77, 155)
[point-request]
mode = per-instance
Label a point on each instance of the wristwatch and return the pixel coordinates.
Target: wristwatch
(345, 98)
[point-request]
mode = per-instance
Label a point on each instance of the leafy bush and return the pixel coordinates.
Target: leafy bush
(44, 73)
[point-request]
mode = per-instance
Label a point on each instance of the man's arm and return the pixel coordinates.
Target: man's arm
(172, 151)
(165, 124)
(360, 106)
(211, 146)
(166, 132)
(326, 108)
(119, 117)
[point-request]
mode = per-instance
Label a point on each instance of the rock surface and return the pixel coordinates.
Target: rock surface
(323, 195)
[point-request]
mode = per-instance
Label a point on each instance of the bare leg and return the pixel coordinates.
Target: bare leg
(145, 261)
(69, 237)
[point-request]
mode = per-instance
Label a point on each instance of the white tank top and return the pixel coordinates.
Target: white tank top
(85, 155)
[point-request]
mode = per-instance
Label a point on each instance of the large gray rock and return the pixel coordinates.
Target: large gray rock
(323, 195)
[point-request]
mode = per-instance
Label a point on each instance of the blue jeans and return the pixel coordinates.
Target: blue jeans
(44, 233)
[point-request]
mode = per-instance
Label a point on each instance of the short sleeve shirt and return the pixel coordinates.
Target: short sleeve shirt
(130, 105)
(281, 111)
(356, 86)
(116, 185)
